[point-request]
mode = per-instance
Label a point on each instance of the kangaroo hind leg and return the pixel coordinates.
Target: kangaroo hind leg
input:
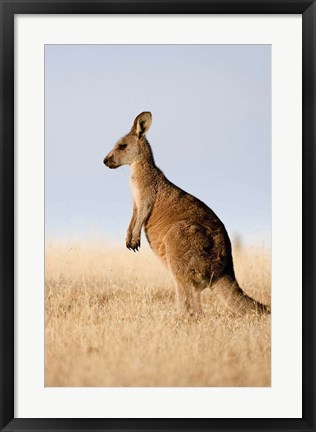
(183, 297)
(196, 306)
(188, 299)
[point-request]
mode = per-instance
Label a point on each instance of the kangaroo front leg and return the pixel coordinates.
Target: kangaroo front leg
(142, 214)
(129, 234)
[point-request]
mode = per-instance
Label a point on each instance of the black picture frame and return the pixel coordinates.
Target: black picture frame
(8, 9)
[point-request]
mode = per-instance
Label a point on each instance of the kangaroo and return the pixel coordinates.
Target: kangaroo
(186, 234)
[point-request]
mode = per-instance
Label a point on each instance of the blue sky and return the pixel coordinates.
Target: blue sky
(211, 132)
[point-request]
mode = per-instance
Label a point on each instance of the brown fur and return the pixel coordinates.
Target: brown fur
(185, 233)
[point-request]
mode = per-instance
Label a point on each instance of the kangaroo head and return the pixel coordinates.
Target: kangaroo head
(130, 148)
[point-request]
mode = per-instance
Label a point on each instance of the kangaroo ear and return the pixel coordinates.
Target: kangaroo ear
(142, 123)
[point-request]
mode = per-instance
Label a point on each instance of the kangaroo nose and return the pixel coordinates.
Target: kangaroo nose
(105, 160)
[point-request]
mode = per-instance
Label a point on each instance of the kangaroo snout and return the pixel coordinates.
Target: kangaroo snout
(109, 162)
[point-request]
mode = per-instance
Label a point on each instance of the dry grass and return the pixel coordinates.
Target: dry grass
(110, 321)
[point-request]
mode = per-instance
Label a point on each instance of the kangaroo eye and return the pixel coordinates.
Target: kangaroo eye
(122, 146)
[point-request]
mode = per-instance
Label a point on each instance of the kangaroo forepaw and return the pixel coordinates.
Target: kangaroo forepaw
(133, 245)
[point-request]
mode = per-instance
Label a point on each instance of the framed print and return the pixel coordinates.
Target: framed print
(174, 290)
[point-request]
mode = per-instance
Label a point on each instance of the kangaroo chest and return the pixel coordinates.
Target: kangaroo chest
(135, 191)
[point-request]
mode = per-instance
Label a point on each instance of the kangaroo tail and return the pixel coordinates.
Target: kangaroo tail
(237, 301)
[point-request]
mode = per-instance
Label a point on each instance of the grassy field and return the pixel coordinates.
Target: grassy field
(110, 321)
